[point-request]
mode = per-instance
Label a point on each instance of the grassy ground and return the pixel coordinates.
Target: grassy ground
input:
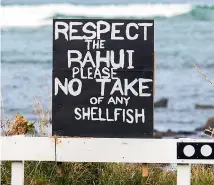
(45, 173)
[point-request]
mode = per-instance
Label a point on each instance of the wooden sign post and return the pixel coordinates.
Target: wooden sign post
(103, 78)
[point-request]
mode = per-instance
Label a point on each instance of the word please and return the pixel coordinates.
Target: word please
(90, 30)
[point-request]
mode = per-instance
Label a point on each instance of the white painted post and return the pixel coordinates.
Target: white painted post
(183, 174)
(17, 175)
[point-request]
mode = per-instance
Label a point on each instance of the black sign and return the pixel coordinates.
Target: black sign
(103, 78)
(193, 150)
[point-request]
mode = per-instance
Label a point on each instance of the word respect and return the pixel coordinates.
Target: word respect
(90, 30)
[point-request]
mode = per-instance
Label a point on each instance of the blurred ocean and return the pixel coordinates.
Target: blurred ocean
(184, 35)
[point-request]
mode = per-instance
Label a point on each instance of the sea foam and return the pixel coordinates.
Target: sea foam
(42, 15)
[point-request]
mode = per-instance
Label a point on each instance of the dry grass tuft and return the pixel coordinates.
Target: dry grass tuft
(210, 131)
(19, 126)
(43, 115)
(203, 75)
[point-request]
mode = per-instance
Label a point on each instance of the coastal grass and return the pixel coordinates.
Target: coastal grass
(45, 173)
(49, 173)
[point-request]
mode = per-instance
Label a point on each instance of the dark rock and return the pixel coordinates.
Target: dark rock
(158, 134)
(198, 106)
(199, 129)
(210, 123)
(186, 132)
(162, 103)
(170, 133)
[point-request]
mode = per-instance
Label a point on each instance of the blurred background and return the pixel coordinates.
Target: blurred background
(184, 35)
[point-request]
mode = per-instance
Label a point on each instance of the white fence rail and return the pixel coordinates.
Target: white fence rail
(19, 149)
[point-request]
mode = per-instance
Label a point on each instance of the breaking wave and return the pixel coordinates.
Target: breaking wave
(42, 15)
